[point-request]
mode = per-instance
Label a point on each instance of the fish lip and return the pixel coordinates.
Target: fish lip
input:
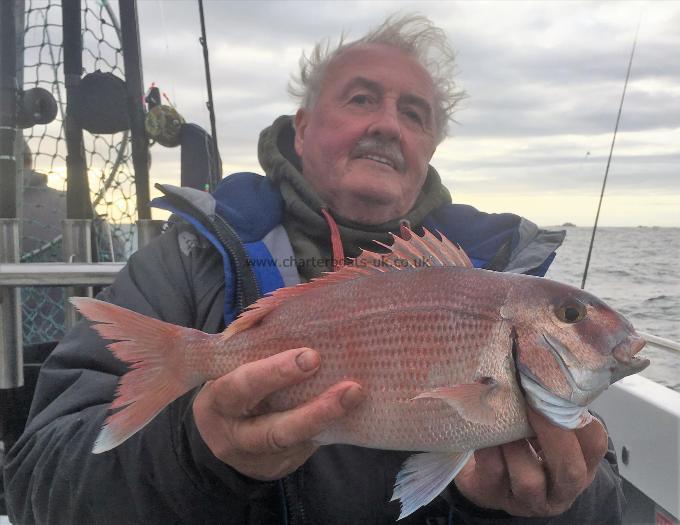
(627, 363)
(624, 352)
(636, 365)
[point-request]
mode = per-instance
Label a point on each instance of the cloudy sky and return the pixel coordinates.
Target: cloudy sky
(544, 81)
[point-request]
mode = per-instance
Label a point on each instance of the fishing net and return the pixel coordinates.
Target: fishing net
(108, 158)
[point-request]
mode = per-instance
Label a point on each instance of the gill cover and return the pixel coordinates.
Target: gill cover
(569, 347)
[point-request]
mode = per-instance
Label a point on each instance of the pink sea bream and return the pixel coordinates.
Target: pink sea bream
(448, 355)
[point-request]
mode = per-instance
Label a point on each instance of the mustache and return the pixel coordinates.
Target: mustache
(380, 147)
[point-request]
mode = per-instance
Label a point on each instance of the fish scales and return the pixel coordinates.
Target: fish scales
(440, 327)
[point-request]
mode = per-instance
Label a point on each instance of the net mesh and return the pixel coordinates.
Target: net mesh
(108, 157)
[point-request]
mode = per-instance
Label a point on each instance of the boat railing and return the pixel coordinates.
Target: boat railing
(77, 275)
(58, 274)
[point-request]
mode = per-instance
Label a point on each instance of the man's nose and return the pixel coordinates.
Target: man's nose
(386, 123)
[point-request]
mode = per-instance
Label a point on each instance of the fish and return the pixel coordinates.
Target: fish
(449, 356)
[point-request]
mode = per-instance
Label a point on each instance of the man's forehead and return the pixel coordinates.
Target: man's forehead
(379, 64)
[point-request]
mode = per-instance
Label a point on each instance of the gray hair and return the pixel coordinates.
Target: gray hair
(417, 36)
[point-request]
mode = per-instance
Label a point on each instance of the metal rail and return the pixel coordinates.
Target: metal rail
(58, 274)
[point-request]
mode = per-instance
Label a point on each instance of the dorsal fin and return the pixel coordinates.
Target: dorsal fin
(416, 252)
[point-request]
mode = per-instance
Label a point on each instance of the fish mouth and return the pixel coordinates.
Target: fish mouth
(627, 363)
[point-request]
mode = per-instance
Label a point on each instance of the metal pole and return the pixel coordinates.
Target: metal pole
(8, 112)
(77, 186)
(77, 246)
(214, 174)
(135, 95)
(11, 344)
(11, 365)
(19, 21)
(147, 229)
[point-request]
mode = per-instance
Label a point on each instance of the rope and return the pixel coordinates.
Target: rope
(336, 241)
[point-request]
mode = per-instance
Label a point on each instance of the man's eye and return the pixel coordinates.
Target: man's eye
(361, 100)
(414, 116)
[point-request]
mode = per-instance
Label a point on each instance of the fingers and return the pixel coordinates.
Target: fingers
(566, 469)
(593, 441)
(527, 479)
(268, 445)
(515, 478)
(526, 474)
(278, 431)
(484, 479)
(239, 392)
(490, 464)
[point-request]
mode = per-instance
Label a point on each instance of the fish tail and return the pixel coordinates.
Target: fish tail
(158, 371)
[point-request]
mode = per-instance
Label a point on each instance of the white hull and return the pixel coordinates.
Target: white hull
(643, 418)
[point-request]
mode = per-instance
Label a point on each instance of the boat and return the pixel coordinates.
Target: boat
(642, 416)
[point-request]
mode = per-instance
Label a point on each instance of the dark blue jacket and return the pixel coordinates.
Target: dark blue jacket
(165, 473)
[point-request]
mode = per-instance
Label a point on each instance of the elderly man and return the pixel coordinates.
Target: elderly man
(352, 167)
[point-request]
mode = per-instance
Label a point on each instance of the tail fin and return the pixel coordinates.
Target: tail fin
(158, 375)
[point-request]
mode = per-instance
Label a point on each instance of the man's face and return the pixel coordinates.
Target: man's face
(366, 144)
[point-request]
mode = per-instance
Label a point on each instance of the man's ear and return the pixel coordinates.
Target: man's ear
(300, 128)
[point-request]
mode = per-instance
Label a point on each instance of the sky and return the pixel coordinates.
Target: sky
(544, 82)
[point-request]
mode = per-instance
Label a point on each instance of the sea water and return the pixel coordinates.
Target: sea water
(637, 272)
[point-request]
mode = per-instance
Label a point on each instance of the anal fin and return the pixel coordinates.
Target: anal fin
(424, 476)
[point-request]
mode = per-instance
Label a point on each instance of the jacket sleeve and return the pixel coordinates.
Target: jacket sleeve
(163, 474)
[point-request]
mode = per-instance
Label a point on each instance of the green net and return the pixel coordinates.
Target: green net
(108, 157)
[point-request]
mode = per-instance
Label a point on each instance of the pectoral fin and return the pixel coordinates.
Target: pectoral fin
(424, 476)
(470, 400)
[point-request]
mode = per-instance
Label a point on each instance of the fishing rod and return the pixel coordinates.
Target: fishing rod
(660, 342)
(609, 160)
(211, 107)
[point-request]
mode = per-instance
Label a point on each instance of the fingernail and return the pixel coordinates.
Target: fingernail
(307, 360)
(352, 397)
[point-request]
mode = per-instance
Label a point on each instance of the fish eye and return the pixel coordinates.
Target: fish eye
(571, 312)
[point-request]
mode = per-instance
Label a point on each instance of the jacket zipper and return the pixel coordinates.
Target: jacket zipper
(215, 223)
(295, 510)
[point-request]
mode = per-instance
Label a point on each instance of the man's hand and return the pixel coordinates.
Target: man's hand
(267, 446)
(515, 478)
